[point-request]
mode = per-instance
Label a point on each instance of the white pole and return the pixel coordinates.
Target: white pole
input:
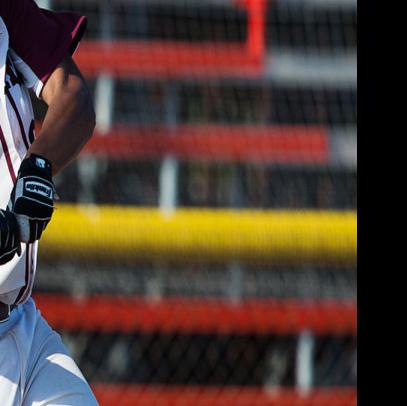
(168, 187)
(91, 168)
(304, 364)
(168, 184)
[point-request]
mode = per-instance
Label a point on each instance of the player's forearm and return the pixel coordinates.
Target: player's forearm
(67, 127)
(70, 118)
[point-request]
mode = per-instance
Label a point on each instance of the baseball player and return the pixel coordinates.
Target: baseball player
(35, 53)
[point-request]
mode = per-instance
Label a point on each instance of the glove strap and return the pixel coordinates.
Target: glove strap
(36, 163)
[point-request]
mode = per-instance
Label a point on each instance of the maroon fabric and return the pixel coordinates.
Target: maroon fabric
(40, 37)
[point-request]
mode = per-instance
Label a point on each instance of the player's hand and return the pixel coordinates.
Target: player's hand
(32, 198)
(9, 239)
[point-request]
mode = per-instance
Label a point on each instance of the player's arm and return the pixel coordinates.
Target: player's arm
(70, 119)
(68, 124)
(41, 41)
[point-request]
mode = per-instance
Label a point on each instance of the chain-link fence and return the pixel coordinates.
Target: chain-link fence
(204, 248)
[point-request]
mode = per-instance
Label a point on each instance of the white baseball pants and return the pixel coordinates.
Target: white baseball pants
(35, 368)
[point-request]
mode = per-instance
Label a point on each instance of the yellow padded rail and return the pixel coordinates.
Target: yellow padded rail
(109, 233)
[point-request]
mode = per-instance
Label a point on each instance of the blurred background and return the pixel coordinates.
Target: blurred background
(204, 249)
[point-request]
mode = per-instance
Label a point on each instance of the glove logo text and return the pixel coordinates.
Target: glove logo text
(39, 188)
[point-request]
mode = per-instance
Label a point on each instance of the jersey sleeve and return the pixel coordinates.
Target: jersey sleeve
(40, 39)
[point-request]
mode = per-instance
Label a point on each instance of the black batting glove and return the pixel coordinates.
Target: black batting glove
(9, 239)
(32, 198)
